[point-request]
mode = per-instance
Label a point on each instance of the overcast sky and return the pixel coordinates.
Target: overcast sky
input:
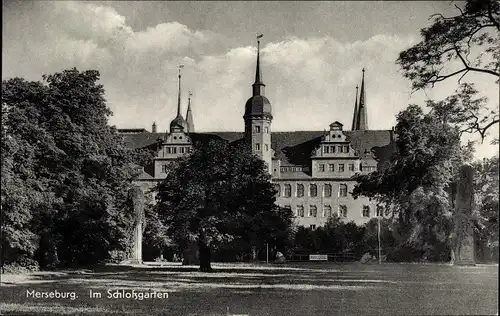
(312, 56)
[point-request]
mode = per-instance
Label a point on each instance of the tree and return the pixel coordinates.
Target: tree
(486, 188)
(414, 185)
(74, 168)
(454, 46)
(217, 194)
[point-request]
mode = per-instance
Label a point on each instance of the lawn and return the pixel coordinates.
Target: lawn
(292, 289)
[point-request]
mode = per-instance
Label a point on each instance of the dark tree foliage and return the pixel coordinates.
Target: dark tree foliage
(454, 46)
(413, 187)
(65, 171)
(218, 194)
(486, 188)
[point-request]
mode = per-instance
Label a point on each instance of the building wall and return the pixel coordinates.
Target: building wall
(335, 200)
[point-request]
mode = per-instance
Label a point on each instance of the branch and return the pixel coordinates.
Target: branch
(490, 15)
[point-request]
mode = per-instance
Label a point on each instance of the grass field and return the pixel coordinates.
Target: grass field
(292, 289)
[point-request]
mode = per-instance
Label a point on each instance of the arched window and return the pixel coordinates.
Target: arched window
(343, 210)
(277, 187)
(313, 211)
(300, 190)
(327, 211)
(288, 190)
(366, 211)
(328, 190)
(300, 211)
(343, 189)
(380, 210)
(313, 190)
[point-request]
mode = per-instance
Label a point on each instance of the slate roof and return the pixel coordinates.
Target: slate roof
(292, 148)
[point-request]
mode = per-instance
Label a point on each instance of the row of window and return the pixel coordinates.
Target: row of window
(313, 190)
(327, 211)
(331, 149)
(180, 150)
(257, 129)
(266, 147)
(293, 169)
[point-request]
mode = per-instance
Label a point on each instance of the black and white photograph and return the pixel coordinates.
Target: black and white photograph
(250, 158)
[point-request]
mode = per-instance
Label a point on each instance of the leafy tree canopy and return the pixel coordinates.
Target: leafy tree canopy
(452, 47)
(73, 168)
(218, 193)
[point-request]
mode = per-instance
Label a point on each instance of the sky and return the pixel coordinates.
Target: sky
(312, 54)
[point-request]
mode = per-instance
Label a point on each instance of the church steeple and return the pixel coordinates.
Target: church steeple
(179, 94)
(258, 86)
(360, 119)
(189, 116)
(178, 123)
(355, 115)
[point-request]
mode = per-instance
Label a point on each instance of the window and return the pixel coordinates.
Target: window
(346, 148)
(380, 210)
(288, 190)
(300, 190)
(325, 149)
(174, 150)
(266, 129)
(313, 190)
(351, 167)
(343, 189)
(327, 211)
(366, 211)
(341, 167)
(328, 190)
(300, 211)
(189, 150)
(164, 168)
(168, 150)
(331, 167)
(343, 210)
(277, 187)
(267, 147)
(332, 149)
(341, 149)
(181, 150)
(257, 129)
(321, 168)
(313, 211)
(257, 146)
(312, 226)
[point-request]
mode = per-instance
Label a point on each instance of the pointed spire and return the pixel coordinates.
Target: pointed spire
(179, 95)
(362, 116)
(258, 86)
(355, 115)
(189, 116)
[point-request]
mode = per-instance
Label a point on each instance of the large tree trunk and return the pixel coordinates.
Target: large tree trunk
(205, 258)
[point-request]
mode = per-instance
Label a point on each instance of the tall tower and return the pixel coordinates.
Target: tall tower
(178, 124)
(258, 117)
(189, 116)
(360, 116)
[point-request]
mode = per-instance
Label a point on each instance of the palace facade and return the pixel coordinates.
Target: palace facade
(311, 170)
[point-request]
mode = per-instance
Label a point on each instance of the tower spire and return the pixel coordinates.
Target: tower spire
(179, 95)
(362, 116)
(258, 86)
(355, 115)
(189, 116)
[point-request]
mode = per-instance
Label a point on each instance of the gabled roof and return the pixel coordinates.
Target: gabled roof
(292, 148)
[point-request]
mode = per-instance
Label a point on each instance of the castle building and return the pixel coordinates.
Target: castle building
(311, 170)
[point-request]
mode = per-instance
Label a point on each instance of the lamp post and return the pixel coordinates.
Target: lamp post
(378, 235)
